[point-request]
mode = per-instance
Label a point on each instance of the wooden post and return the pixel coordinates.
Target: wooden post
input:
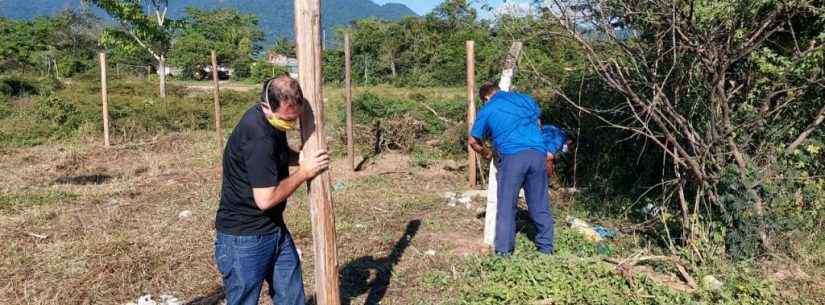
(104, 96)
(308, 42)
(366, 64)
(510, 64)
(348, 93)
(216, 93)
(471, 108)
(162, 71)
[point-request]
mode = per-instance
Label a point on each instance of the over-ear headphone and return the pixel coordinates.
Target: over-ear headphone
(265, 95)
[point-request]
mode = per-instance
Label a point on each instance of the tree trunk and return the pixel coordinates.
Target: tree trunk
(719, 96)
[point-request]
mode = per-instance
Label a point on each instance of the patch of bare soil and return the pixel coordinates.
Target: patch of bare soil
(793, 280)
(90, 225)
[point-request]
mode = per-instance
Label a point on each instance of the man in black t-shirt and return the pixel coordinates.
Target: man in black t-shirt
(252, 243)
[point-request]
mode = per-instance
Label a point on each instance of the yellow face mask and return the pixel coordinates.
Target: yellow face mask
(283, 125)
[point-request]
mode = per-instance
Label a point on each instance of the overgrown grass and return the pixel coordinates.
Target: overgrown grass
(578, 275)
(27, 198)
(72, 111)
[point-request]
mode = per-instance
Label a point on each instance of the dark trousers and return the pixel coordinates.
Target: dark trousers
(526, 169)
(247, 261)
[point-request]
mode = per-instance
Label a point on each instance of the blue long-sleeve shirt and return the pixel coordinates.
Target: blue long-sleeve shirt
(511, 119)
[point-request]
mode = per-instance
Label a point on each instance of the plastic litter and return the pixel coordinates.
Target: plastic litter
(164, 300)
(590, 231)
(651, 210)
(185, 215)
(710, 282)
(464, 199)
(339, 185)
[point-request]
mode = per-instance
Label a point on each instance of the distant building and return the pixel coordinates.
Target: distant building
(291, 64)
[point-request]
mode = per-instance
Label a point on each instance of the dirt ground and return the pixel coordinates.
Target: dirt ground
(87, 225)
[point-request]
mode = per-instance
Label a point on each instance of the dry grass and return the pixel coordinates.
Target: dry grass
(110, 217)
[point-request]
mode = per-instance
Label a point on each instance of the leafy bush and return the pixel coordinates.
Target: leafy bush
(18, 86)
(135, 111)
(261, 70)
(5, 107)
(242, 68)
(368, 107)
(57, 113)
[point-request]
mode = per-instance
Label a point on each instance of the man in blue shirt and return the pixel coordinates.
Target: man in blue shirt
(512, 121)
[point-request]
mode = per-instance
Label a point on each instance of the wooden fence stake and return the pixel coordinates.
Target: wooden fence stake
(104, 96)
(216, 93)
(471, 108)
(510, 64)
(348, 93)
(308, 42)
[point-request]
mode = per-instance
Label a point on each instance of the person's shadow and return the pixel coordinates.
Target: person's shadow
(355, 275)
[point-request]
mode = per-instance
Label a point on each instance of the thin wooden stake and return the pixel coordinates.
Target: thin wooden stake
(104, 96)
(216, 93)
(308, 42)
(471, 108)
(348, 93)
(162, 71)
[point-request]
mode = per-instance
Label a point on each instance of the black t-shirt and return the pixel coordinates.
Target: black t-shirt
(256, 156)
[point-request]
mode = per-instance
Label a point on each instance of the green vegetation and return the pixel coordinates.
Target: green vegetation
(69, 111)
(234, 36)
(700, 138)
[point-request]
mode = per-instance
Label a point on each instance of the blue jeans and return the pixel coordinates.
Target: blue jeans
(526, 169)
(245, 262)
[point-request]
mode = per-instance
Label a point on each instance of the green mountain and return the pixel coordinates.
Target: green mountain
(275, 17)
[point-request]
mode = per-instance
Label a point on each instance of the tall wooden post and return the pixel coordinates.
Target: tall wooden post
(510, 64)
(308, 42)
(104, 96)
(471, 108)
(216, 93)
(348, 93)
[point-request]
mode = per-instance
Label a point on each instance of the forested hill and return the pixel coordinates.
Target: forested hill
(275, 17)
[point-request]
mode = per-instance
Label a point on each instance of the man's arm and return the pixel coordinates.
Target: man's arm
(478, 147)
(269, 197)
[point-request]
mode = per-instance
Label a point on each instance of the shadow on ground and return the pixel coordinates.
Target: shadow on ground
(371, 275)
(524, 224)
(366, 274)
(84, 179)
(213, 298)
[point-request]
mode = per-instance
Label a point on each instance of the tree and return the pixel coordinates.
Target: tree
(284, 46)
(143, 27)
(234, 36)
(57, 46)
(724, 88)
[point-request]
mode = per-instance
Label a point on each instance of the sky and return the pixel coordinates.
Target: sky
(423, 7)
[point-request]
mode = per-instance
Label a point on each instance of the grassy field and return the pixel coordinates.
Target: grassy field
(87, 225)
